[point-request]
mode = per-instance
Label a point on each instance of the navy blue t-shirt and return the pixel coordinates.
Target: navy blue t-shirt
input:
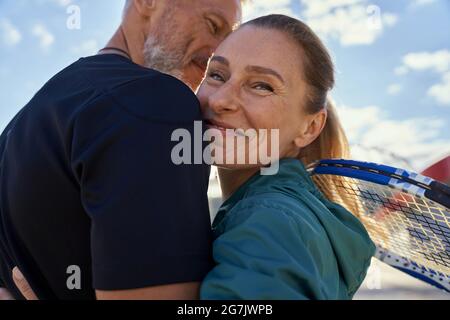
(87, 180)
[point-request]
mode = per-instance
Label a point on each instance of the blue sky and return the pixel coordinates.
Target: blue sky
(392, 59)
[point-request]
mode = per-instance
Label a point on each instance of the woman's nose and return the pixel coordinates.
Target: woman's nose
(224, 100)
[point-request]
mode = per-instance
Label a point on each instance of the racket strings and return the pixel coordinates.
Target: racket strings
(411, 226)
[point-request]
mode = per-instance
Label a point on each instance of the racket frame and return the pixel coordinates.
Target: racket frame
(401, 180)
(418, 271)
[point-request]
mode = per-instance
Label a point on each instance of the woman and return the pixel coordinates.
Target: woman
(277, 236)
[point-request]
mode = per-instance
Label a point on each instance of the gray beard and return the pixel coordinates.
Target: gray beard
(162, 59)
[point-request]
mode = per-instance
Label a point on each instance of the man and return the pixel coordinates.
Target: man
(91, 204)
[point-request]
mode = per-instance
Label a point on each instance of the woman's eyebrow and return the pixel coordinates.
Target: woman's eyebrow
(263, 70)
(221, 60)
(250, 69)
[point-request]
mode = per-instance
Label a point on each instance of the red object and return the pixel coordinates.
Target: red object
(439, 171)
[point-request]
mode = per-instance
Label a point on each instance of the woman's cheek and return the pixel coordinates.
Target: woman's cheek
(202, 96)
(265, 118)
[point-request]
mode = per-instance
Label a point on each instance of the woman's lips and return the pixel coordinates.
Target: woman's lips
(218, 125)
(225, 128)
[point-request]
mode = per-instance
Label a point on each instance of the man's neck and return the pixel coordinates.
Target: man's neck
(120, 41)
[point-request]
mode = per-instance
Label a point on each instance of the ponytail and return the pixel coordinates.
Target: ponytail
(332, 143)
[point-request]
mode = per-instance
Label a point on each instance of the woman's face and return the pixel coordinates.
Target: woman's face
(254, 81)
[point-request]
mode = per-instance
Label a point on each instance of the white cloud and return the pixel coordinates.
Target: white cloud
(62, 3)
(321, 7)
(419, 3)
(394, 89)
(351, 22)
(438, 62)
(9, 34)
(382, 139)
(257, 8)
(46, 38)
(400, 71)
(86, 48)
(441, 91)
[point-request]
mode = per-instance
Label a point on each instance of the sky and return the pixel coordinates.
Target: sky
(392, 59)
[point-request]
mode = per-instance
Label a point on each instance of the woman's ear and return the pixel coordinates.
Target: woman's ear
(145, 7)
(313, 128)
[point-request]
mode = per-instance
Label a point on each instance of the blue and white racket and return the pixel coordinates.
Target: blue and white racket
(406, 214)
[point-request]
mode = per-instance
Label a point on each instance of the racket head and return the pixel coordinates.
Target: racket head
(406, 214)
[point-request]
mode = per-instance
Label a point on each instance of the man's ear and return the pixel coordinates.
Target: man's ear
(313, 128)
(145, 7)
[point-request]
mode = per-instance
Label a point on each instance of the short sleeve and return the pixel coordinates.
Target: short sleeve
(150, 222)
(263, 258)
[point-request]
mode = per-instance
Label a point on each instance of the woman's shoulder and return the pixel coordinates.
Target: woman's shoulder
(271, 208)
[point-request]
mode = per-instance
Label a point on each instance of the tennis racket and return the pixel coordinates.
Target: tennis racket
(406, 214)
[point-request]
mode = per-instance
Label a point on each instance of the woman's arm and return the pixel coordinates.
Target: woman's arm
(266, 257)
(5, 295)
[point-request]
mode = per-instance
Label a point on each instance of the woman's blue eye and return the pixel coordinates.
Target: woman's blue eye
(263, 86)
(215, 76)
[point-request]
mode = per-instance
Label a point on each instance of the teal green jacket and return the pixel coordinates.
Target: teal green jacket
(278, 237)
